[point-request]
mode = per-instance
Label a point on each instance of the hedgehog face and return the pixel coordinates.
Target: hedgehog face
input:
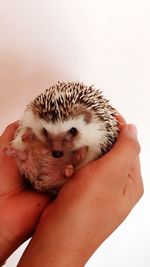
(68, 135)
(60, 142)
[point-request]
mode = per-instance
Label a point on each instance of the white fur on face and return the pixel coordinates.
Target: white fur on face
(91, 134)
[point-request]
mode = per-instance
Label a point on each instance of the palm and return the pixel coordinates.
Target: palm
(20, 207)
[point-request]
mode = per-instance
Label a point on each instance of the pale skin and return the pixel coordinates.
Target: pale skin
(87, 210)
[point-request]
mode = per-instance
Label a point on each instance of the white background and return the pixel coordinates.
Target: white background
(106, 43)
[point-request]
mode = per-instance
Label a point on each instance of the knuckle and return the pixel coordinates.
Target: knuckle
(137, 147)
(141, 190)
(134, 143)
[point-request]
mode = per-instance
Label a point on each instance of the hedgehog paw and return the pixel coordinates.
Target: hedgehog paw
(69, 170)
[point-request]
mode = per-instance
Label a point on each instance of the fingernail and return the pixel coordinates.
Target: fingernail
(132, 128)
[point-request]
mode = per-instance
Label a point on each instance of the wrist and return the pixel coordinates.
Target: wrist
(9, 240)
(4, 247)
(49, 246)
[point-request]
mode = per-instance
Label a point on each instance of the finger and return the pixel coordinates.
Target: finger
(120, 158)
(8, 133)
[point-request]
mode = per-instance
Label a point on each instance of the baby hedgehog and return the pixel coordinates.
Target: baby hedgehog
(61, 130)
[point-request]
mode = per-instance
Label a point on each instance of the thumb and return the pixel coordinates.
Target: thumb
(8, 133)
(123, 153)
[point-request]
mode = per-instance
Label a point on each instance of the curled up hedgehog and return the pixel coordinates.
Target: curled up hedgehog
(61, 130)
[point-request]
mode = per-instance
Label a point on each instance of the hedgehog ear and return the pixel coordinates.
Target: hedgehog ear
(87, 115)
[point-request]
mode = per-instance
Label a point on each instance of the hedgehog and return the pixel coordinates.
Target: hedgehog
(62, 130)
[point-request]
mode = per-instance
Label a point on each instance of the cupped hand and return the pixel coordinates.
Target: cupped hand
(89, 207)
(20, 208)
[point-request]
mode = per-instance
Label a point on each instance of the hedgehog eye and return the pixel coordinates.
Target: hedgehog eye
(45, 132)
(73, 131)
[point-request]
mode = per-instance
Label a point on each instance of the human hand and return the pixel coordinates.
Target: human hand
(20, 207)
(89, 207)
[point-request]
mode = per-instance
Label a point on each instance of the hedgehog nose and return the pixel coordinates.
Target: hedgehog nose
(57, 154)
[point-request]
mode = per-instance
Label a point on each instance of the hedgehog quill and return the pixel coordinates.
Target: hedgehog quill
(62, 130)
